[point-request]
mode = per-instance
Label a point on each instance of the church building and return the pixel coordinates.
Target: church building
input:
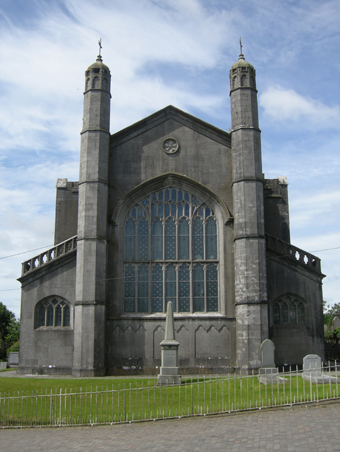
(170, 208)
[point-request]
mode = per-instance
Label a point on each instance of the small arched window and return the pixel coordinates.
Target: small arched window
(53, 312)
(288, 311)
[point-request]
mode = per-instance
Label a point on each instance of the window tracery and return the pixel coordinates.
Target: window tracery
(288, 311)
(53, 312)
(170, 253)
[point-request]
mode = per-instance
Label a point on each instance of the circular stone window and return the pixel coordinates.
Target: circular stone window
(170, 145)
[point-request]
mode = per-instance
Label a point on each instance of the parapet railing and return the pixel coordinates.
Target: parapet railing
(292, 253)
(47, 256)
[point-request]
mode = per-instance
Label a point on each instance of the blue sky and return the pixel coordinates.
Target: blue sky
(163, 52)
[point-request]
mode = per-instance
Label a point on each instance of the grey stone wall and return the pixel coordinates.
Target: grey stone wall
(276, 208)
(47, 349)
(207, 344)
(66, 210)
(293, 342)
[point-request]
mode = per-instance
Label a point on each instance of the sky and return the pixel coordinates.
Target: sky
(163, 52)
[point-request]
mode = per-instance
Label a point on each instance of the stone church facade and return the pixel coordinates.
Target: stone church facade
(169, 209)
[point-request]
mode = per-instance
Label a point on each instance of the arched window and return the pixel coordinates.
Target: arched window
(53, 312)
(170, 253)
(288, 311)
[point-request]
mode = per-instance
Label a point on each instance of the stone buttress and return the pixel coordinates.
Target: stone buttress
(89, 330)
(249, 237)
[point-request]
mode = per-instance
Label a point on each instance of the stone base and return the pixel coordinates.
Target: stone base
(267, 370)
(169, 380)
(319, 377)
(269, 376)
(271, 379)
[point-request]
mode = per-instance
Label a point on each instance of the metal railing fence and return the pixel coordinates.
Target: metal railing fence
(198, 396)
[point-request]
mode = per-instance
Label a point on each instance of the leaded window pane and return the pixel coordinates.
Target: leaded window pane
(284, 313)
(170, 239)
(211, 238)
(157, 289)
(197, 239)
(58, 315)
(198, 288)
(276, 314)
(212, 290)
(184, 288)
(50, 315)
(143, 240)
(157, 240)
(183, 239)
(160, 210)
(41, 315)
(180, 195)
(301, 314)
(129, 289)
(292, 313)
(130, 240)
(154, 209)
(170, 285)
(67, 316)
(143, 289)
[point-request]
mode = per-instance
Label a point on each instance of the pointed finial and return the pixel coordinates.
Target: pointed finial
(99, 57)
(241, 56)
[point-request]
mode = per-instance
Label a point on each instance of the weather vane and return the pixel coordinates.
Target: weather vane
(241, 46)
(100, 46)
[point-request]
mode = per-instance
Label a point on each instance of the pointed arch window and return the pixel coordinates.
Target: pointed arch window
(53, 312)
(288, 311)
(171, 253)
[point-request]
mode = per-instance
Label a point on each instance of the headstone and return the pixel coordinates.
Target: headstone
(336, 322)
(169, 371)
(13, 359)
(312, 371)
(268, 371)
(3, 365)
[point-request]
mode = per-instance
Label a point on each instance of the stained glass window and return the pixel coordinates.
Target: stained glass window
(170, 254)
(157, 288)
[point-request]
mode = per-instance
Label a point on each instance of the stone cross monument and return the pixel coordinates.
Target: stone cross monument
(169, 352)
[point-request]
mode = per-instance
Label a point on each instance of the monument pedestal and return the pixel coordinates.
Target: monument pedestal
(169, 371)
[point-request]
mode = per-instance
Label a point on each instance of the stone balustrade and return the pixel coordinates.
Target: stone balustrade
(47, 256)
(292, 253)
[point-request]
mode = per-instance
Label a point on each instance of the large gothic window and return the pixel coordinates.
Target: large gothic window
(170, 254)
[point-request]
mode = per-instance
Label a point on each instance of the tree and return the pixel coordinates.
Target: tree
(9, 330)
(329, 312)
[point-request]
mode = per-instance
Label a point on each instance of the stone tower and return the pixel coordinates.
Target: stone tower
(249, 237)
(89, 330)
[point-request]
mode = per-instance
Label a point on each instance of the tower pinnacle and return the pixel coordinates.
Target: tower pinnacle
(241, 56)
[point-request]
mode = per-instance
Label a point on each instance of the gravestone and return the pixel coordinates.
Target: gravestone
(312, 371)
(13, 359)
(169, 371)
(268, 371)
(3, 365)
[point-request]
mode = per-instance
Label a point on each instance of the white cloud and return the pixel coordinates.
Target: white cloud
(286, 105)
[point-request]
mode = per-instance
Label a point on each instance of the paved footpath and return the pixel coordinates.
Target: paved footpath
(302, 428)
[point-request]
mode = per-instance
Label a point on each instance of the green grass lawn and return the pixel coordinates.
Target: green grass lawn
(41, 401)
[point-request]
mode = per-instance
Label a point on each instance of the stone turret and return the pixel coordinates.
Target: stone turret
(89, 332)
(249, 236)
